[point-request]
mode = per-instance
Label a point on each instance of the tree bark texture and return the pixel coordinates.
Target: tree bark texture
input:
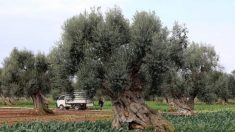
(40, 104)
(183, 105)
(130, 108)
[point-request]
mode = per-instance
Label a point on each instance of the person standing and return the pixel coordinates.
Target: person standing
(101, 102)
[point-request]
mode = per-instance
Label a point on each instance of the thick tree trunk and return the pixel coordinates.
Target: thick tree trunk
(225, 100)
(130, 108)
(40, 104)
(184, 105)
(167, 99)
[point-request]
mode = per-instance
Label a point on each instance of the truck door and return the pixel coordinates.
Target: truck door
(61, 102)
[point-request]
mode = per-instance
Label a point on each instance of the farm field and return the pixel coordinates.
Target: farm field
(11, 116)
(117, 66)
(199, 107)
(86, 121)
(21, 117)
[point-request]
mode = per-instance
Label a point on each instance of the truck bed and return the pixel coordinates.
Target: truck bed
(77, 101)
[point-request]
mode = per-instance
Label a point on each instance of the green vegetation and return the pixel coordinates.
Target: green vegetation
(28, 103)
(86, 126)
(127, 61)
(206, 122)
(199, 107)
(26, 75)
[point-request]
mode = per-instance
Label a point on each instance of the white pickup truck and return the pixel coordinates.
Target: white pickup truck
(77, 100)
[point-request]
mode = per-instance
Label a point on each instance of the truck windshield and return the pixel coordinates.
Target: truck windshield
(61, 98)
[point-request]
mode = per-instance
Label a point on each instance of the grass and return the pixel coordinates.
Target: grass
(199, 107)
(202, 107)
(210, 117)
(157, 106)
(107, 105)
(27, 103)
(202, 122)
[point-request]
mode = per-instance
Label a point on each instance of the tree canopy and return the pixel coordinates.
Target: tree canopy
(26, 75)
(127, 60)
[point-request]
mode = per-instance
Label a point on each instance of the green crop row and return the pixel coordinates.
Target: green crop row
(203, 122)
(86, 126)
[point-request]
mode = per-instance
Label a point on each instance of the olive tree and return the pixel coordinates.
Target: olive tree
(110, 54)
(191, 80)
(232, 84)
(224, 88)
(209, 92)
(167, 64)
(60, 70)
(26, 75)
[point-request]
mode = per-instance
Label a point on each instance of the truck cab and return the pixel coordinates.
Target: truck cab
(61, 102)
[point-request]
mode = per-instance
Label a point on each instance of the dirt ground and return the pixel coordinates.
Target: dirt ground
(13, 115)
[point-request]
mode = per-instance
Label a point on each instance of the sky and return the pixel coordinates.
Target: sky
(36, 25)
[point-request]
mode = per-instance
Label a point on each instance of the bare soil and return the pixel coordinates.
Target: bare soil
(14, 115)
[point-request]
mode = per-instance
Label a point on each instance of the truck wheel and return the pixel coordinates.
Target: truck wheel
(61, 107)
(77, 107)
(67, 108)
(83, 106)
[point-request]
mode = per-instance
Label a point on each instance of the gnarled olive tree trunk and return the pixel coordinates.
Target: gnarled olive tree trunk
(129, 107)
(40, 104)
(183, 105)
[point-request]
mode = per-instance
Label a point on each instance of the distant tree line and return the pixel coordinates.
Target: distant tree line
(126, 61)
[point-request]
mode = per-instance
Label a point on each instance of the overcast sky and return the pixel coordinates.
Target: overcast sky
(36, 24)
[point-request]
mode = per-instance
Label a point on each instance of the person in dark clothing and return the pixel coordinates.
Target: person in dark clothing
(101, 102)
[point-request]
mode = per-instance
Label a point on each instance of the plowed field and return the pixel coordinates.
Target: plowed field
(13, 115)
